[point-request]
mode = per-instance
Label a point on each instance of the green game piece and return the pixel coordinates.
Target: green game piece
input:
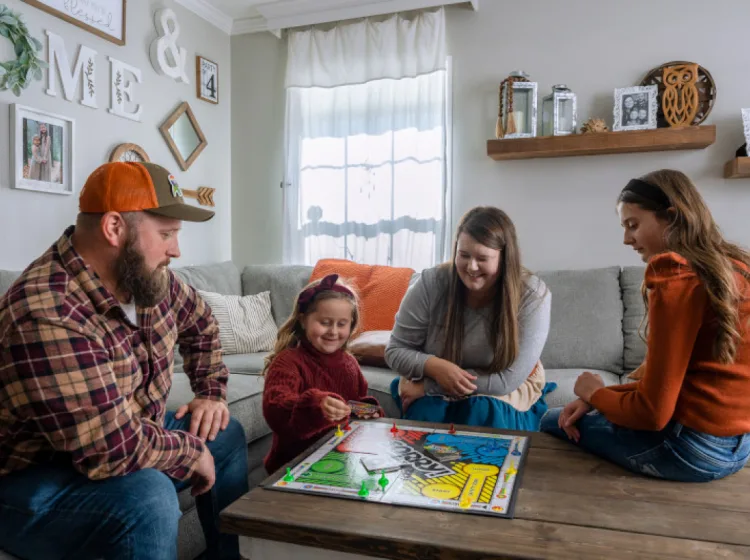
(364, 492)
(383, 482)
(288, 476)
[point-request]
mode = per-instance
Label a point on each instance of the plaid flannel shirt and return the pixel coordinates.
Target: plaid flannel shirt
(78, 378)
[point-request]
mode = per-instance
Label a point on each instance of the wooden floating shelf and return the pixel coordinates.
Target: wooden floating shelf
(600, 143)
(737, 168)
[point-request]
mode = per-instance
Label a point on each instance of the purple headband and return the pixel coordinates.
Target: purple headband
(327, 284)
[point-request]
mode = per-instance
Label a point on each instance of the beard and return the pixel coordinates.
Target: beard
(148, 287)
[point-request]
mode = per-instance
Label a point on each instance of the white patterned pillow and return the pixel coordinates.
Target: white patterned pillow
(245, 322)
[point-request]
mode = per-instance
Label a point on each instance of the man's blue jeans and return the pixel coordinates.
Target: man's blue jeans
(52, 511)
(675, 453)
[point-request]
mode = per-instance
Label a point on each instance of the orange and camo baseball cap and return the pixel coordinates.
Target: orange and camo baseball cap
(137, 187)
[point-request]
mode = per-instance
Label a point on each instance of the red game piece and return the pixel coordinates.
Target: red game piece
(452, 430)
(347, 428)
(394, 429)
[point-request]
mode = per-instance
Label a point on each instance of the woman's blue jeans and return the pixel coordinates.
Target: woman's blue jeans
(674, 453)
(52, 511)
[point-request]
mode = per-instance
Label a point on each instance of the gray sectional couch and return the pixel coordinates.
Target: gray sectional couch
(595, 318)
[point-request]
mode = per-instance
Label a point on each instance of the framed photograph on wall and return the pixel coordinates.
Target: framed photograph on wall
(207, 79)
(105, 18)
(635, 108)
(41, 150)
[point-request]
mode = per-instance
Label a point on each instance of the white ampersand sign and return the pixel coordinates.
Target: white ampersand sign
(173, 65)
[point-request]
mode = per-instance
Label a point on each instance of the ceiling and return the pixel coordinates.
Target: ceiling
(252, 16)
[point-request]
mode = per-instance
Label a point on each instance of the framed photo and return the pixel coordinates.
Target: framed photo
(746, 125)
(207, 79)
(105, 18)
(635, 108)
(41, 147)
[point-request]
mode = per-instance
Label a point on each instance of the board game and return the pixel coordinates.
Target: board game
(451, 470)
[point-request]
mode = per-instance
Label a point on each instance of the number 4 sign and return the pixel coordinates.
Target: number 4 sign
(207, 82)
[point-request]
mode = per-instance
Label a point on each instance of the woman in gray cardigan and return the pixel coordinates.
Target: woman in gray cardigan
(469, 333)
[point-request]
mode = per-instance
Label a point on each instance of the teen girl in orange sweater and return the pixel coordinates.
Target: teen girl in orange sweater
(687, 417)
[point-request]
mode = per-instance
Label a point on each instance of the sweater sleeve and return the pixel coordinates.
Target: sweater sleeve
(534, 321)
(288, 408)
(677, 303)
(405, 351)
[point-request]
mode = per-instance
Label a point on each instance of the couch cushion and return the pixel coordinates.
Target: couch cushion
(245, 364)
(244, 397)
(566, 379)
(283, 281)
(222, 278)
(632, 300)
(586, 323)
(7, 277)
(379, 385)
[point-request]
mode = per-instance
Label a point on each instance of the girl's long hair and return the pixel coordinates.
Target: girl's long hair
(693, 234)
(492, 228)
(291, 333)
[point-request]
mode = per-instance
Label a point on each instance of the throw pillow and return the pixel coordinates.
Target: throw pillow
(369, 348)
(245, 322)
(381, 289)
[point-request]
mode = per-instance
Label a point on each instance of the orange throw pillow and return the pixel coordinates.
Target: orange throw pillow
(380, 289)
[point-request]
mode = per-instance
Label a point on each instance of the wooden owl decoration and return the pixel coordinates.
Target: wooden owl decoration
(679, 101)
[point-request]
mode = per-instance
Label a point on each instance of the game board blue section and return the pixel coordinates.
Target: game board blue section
(487, 451)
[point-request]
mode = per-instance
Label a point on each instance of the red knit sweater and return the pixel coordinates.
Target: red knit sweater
(297, 381)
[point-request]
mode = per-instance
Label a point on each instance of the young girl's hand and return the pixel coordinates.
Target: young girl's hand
(570, 415)
(334, 409)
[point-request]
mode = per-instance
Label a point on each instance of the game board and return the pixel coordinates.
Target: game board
(449, 470)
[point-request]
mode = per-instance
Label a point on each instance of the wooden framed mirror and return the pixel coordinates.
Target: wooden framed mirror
(183, 135)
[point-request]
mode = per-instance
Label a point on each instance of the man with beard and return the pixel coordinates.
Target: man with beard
(90, 460)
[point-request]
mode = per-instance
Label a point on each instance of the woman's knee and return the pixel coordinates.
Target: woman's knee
(549, 422)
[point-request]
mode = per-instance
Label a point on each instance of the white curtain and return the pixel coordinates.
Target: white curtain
(367, 143)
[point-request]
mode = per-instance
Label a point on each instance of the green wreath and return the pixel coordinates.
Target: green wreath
(16, 74)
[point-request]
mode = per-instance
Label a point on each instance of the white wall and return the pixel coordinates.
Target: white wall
(563, 208)
(258, 104)
(30, 222)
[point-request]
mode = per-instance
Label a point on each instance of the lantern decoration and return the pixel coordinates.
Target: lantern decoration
(559, 112)
(516, 117)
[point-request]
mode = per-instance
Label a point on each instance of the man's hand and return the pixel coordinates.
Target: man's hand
(334, 410)
(204, 475)
(587, 384)
(208, 417)
(454, 380)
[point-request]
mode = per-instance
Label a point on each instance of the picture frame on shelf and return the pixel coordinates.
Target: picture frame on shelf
(635, 108)
(42, 150)
(746, 125)
(105, 18)
(207, 79)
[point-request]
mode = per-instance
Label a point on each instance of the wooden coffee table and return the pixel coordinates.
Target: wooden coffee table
(571, 505)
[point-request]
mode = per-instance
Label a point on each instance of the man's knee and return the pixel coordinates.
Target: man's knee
(235, 433)
(152, 499)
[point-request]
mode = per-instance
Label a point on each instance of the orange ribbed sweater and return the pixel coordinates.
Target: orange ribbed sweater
(681, 379)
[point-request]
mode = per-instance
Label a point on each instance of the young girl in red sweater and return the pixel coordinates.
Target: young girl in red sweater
(687, 417)
(310, 376)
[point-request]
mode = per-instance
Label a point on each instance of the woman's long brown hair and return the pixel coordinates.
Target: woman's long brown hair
(492, 228)
(693, 234)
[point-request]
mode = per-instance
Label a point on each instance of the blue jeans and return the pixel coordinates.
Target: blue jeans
(675, 453)
(52, 511)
